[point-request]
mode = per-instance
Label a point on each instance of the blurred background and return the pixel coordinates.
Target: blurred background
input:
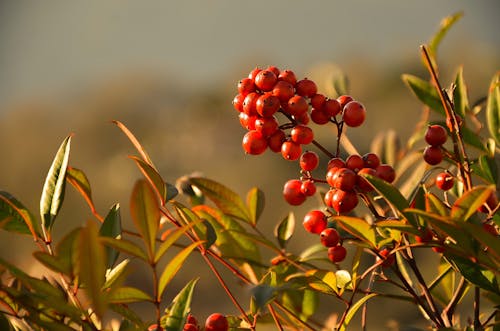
(168, 70)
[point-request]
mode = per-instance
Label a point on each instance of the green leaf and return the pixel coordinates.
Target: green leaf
(397, 225)
(486, 168)
(255, 202)
(262, 294)
(66, 251)
(14, 216)
(477, 275)
(228, 201)
(359, 228)
(129, 314)
(425, 92)
(51, 262)
(460, 97)
(153, 177)
(172, 238)
(128, 294)
(173, 267)
(473, 139)
(80, 182)
(493, 109)
(125, 246)
(115, 276)
(433, 204)
(134, 141)
(53, 189)
(465, 206)
(177, 312)
(145, 211)
(354, 308)
(485, 238)
(204, 230)
(445, 25)
(111, 227)
(284, 230)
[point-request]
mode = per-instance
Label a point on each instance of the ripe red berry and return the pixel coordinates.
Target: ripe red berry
(331, 107)
(354, 114)
(254, 142)
(191, 319)
(444, 181)
(433, 155)
(265, 80)
(249, 103)
(254, 73)
(308, 188)
(267, 105)
(309, 161)
(302, 119)
(247, 121)
(155, 327)
(290, 150)
(328, 197)
(266, 125)
(238, 102)
(283, 90)
(329, 237)
(297, 105)
(274, 69)
(385, 172)
(246, 86)
(425, 236)
(318, 100)
(337, 253)
(355, 162)
(344, 100)
(371, 160)
(319, 117)
(288, 76)
(216, 322)
(387, 257)
(436, 135)
(361, 182)
(344, 201)
(344, 179)
(302, 135)
(292, 192)
(306, 88)
(276, 140)
(315, 221)
(336, 162)
(190, 327)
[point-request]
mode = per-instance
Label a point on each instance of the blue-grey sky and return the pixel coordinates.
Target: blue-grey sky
(50, 46)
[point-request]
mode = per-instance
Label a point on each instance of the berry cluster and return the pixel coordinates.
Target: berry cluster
(214, 322)
(267, 92)
(435, 136)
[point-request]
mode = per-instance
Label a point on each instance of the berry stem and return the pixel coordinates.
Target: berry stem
(323, 149)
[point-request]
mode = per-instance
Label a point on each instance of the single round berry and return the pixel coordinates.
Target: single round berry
(238, 102)
(291, 151)
(265, 80)
(318, 100)
(288, 76)
(254, 142)
(355, 162)
(249, 103)
(354, 114)
(246, 86)
(385, 172)
(292, 192)
(276, 140)
(267, 105)
(436, 135)
(328, 197)
(297, 105)
(254, 73)
(308, 188)
(315, 221)
(302, 119)
(283, 90)
(190, 327)
(247, 121)
(274, 69)
(329, 237)
(433, 155)
(306, 88)
(319, 117)
(216, 322)
(337, 254)
(371, 160)
(344, 201)
(309, 161)
(336, 162)
(302, 134)
(266, 125)
(191, 319)
(344, 100)
(444, 181)
(344, 179)
(361, 182)
(331, 107)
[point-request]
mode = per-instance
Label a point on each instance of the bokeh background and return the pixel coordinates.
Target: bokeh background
(168, 70)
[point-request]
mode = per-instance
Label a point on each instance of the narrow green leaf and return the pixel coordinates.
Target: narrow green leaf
(51, 262)
(356, 261)
(145, 211)
(134, 141)
(53, 189)
(397, 225)
(354, 309)
(66, 251)
(173, 267)
(284, 230)
(433, 204)
(471, 138)
(228, 201)
(15, 217)
(444, 27)
(262, 294)
(153, 177)
(425, 92)
(204, 230)
(130, 315)
(460, 96)
(111, 227)
(486, 168)
(116, 276)
(255, 202)
(172, 238)
(493, 109)
(477, 275)
(125, 246)
(465, 206)
(80, 182)
(485, 238)
(359, 228)
(177, 312)
(129, 294)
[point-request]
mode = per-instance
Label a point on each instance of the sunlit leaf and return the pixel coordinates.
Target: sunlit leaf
(51, 262)
(465, 206)
(444, 27)
(125, 246)
(116, 275)
(433, 204)
(145, 211)
(397, 225)
(153, 177)
(15, 217)
(128, 295)
(356, 261)
(255, 202)
(354, 309)
(425, 92)
(485, 238)
(493, 109)
(172, 238)
(460, 96)
(284, 230)
(53, 189)
(486, 168)
(111, 227)
(228, 201)
(134, 142)
(204, 229)
(80, 182)
(477, 275)
(176, 313)
(359, 228)
(471, 138)
(66, 251)
(5, 324)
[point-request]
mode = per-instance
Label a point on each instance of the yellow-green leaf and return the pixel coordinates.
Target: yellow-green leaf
(129, 294)
(425, 92)
(15, 217)
(284, 230)
(354, 308)
(465, 206)
(493, 109)
(460, 96)
(125, 246)
(80, 182)
(255, 202)
(153, 177)
(176, 313)
(359, 228)
(111, 227)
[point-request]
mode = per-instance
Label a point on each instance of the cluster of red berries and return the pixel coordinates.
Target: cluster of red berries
(266, 92)
(214, 322)
(435, 136)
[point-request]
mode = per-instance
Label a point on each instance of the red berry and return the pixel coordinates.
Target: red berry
(309, 161)
(291, 151)
(355, 162)
(308, 188)
(315, 221)
(344, 100)
(191, 319)
(288, 76)
(344, 201)
(433, 155)
(444, 181)
(297, 105)
(336, 162)
(302, 119)
(247, 121)
(354, 114)
(276, 140)
(328, 198)
(306, 88)
(292, 192)
(318, 100)
(425, 236)
(254, 73)
(319, 117)
(274, 69)
(216, 322)
(250, 102)
(329, 237)
(385, 172)
(371, 160)
(344, 179)
(190, 327)
(155, 327)
(361, 182)
(238, 102)
(331, 107)
(283, 90)
(267, 104)
(246, 86)
(387, 257)
(436, 135)
(266, 125)
(331, 174)
(254, 142)
(337, 253)
(265, 80)
(302, 134)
